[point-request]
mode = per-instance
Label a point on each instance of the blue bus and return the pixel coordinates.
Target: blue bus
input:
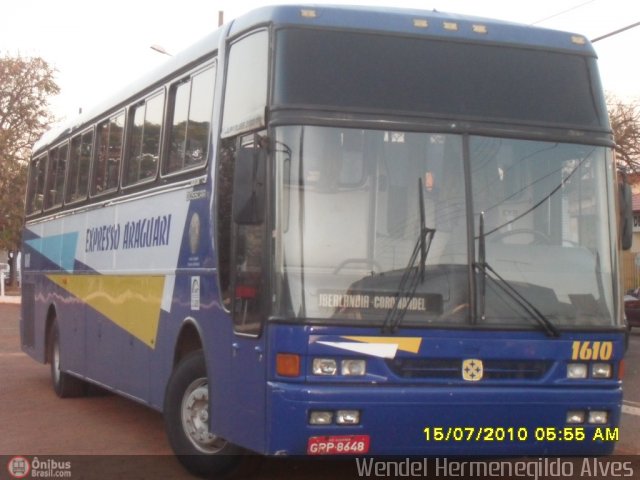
(338, 230)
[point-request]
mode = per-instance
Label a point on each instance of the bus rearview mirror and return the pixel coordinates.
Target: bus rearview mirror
(248, 186)
(626, 210)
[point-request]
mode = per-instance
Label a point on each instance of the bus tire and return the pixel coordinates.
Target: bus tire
(186, 414)
(65, 385)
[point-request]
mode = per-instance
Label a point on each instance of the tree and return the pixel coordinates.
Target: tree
(625, 122)
(25, 87)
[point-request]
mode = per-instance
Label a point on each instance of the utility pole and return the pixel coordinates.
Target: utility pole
(611, 34)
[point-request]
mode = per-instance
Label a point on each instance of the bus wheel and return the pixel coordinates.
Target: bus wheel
(65, 385)
(186, 417)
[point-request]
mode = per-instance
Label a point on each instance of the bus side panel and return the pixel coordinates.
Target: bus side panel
(33, 323)
(194, 297)
(34, 304)
(71, 321)
(161, 359)
(171, 325)
(27, 319)
(110, 274)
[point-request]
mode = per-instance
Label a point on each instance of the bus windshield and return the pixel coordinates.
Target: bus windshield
(348, 216)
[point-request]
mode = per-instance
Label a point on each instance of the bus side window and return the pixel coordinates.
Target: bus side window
(51, 172)
(245, 97)
(70, 194)
(180, 94)
(141, 163)
(191, 107)
(240, 247)
(55, 176)
(248, 279)
(249, 248)
(79, 163)
(108, 154)
(35, 195)
(240, 244)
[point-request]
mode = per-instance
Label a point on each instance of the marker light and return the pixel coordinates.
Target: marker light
(324, 366)
(578, 40)
(577, 370)
(601, 370)
(320, 417)
(575, 416)
(288, 364)
(347, 417)
(477, 28)
(353, 367)
(453, 26)
(598, 417)
(308, 13)
(420, 23)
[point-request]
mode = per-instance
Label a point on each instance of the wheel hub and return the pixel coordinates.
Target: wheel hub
(195, 418)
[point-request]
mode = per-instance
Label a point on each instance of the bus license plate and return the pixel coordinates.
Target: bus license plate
(342, 445)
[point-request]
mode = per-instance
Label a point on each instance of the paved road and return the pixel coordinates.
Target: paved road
(130, 438)
(630, 427)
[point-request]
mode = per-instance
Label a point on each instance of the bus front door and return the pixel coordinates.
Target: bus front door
(242, 397)
(246, 397)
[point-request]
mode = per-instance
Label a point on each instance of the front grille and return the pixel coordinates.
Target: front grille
(451, 369)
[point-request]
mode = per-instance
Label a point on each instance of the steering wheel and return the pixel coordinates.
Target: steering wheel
(538, 236)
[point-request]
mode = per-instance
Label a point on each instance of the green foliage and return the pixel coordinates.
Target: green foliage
(25, 87)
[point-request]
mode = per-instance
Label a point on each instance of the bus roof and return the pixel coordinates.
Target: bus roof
(427, 23)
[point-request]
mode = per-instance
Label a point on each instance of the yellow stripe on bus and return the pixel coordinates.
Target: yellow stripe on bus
(130, 301)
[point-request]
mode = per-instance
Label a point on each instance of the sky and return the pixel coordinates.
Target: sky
(96, 48)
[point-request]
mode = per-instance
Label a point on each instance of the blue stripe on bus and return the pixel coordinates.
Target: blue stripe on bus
(60, 249)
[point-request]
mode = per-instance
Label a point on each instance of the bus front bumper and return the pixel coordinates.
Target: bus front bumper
(429, 421)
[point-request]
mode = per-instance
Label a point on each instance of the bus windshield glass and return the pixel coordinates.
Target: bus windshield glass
(349, 215)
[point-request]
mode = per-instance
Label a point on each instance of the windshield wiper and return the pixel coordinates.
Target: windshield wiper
(484, 268)
(411, 276)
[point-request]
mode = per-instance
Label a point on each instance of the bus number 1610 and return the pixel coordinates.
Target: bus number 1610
(591, 350)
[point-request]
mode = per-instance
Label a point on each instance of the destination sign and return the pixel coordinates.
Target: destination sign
(419, 303)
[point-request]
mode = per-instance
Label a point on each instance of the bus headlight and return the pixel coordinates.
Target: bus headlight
(577, 370)
(324, 366)
(320, 417)
(601, 370)
(598, 417)
(347, 417)
(353, 367)
(575, 416)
